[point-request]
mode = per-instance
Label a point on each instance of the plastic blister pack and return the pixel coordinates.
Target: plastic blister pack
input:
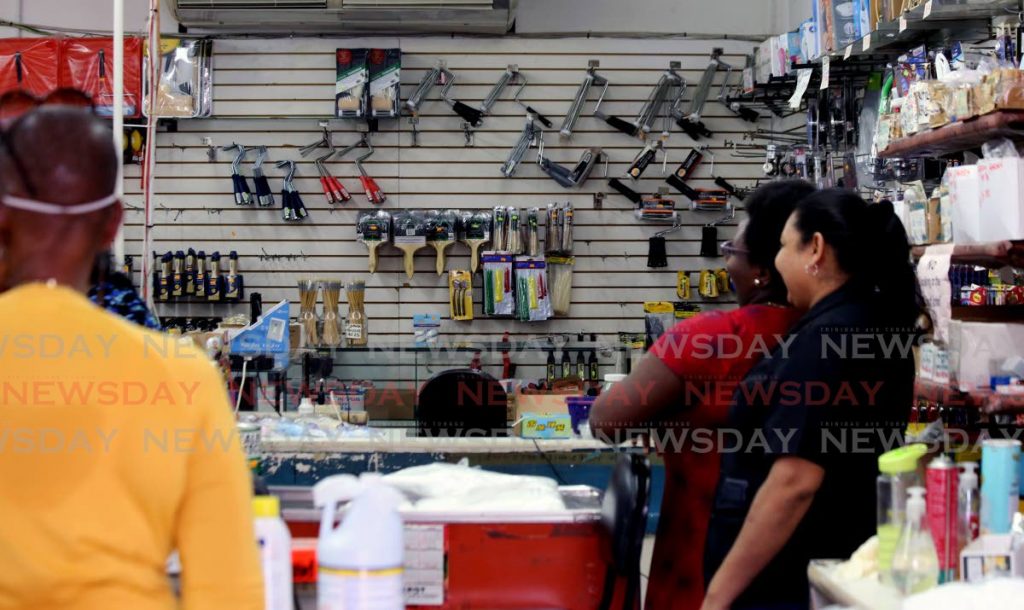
(185, 86)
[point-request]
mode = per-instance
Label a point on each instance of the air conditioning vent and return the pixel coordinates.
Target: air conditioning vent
(251, 4)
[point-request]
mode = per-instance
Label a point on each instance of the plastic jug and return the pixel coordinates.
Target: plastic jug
(361, 559)
(275, 542)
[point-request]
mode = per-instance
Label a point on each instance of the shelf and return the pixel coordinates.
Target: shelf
(491, 347)
(959, 136)
(946, 20)
(989, 313)
(992, 255)
(986, 401)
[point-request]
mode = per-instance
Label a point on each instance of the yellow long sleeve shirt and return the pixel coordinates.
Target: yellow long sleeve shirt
(117, 446)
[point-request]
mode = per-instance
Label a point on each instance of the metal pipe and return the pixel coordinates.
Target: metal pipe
(511, 72)
(118, 119)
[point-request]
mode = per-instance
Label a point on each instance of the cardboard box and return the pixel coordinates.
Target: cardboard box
(965, 200)
(992, 556)
(977, 348)
(845, 23)
(1000, 203)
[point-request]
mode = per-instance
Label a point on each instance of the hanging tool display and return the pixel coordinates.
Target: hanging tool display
(625, 191)
(475, 231)
(657, 253)
(498, 294)
(460, 295)
(691, 123)
(410, 235)
(533, 302)
(264, 196)
(592, 79)
(709, 235)
(657, 208)
(243, 196)
(668, 90)
(373, 229)
(374, 194)
(475, 116)
(644, 158)
(678, 180)
(570, 178)
(527, 139)
(292, 208)
(438, 75)
(558, 228)
(334, 191)
(442, 230)
(747, 114)
(533, 232)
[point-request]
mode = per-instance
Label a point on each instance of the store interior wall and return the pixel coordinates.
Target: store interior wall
(275, 92)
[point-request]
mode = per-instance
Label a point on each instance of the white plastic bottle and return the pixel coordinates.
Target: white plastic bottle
(360, 560)
(275, 542)
(915, 564)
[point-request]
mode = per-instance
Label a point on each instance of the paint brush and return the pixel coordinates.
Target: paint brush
(373, 229)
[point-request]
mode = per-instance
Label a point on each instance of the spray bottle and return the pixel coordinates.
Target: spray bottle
(915, 565)
(360, 560)
(969, 504)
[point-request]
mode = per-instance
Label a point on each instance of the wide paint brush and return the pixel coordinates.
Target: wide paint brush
(410, 235)
(477, 226)
(441, 227)
(373, 229)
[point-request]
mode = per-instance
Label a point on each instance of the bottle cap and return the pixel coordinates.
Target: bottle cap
(902, 460)
(969, 477)
(266, 507)
(915, 503)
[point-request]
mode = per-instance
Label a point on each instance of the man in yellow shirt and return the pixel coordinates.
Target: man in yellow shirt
(117, 444)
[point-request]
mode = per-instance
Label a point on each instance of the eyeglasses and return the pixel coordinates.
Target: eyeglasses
(730, 249)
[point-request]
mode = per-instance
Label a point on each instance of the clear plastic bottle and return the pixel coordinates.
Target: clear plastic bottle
(898, 473)
(915, 565)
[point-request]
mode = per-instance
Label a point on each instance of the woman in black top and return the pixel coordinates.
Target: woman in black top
(816, 414)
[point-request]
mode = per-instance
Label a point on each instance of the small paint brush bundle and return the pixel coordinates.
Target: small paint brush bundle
(533, 300)
(560, 275)
(331, 336)
(558, 229)
(308, 290)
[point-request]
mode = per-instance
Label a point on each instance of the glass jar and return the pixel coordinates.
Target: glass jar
(898, 473)
(356, 333)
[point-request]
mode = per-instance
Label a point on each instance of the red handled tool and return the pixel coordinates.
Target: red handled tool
(374, 194)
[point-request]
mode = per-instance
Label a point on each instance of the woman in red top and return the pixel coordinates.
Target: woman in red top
(681, 392)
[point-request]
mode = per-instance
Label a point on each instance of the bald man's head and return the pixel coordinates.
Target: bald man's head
(59, 154)
(54, 157)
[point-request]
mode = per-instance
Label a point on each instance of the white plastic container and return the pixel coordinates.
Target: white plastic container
(275, 542)
(360, 560)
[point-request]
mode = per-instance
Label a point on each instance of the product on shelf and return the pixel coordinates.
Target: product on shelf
(243, 196)
(442, 230)
(373, 229)
(410, 235)
(352, 78)
(499, 298)
(332, 333)
(560, 276)
(356, 326)
(476, 230)
(185, 86)
(308, 290)
(385, 74)
(460, 293)
(234, 285)
(533, 299)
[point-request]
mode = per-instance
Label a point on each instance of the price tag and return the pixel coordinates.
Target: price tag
(867, 43)
(803, 79)
(825, 61)
(903, 24)
(849, 52)
(928, 9)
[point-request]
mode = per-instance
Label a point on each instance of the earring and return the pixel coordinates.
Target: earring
(812, 269)
(757, 281)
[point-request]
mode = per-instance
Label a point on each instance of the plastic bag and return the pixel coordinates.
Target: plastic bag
(1000, 148)
(184, 88)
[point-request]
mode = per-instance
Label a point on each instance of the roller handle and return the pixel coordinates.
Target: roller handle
(473, 116)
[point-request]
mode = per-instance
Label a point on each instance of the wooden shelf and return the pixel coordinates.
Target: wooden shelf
(960, 136)
(993, 255)
(986, 401)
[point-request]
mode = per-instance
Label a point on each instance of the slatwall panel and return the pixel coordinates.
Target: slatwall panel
(273, 92)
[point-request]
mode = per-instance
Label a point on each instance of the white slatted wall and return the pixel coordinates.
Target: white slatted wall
(273, 92)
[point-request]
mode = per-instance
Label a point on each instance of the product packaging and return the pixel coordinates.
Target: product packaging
(560, 273)
(385, 73)
(965, 203)
(185, 88)
(426, 328)
(533, 298)
(499, 298)
(410, 235)
(659, 316)
(353, 75)
(1002, 199)
(30, 65)
(87, 64)
(460, 294)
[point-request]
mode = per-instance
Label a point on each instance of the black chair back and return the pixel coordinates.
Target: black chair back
(460, 403)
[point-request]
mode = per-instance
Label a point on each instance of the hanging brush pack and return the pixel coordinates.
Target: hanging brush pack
(533, 302)
(410, 235)
(373, 229)
(239, 185)
(558, 233)
(292, 208)
(442, 230)
(476, 231)
(498, 294)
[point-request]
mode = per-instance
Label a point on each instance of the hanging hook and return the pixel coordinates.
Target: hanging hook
(291, 171)
(235, 165)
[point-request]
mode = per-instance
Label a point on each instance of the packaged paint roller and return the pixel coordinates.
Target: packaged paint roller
(533, 299)
(499, 298)
(560, 274)
(659, 316)
(460, 295)
(385, 72)
(352, 76)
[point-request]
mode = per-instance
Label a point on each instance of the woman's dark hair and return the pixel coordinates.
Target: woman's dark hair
(768, 209)
(871, 246)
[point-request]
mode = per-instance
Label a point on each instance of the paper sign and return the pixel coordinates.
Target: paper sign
(803, 80)
(424, 565)
(849, 52)
(825, 61)
(928, 9)
(903, 24)
(867, 43)
(933, 276)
